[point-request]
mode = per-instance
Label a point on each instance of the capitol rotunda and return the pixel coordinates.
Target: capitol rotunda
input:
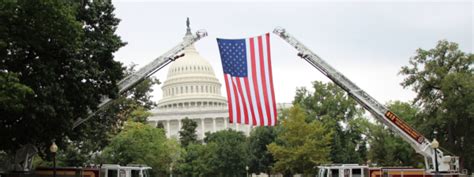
(192, 90)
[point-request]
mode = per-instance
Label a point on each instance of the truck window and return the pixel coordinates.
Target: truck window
(323, 172)
(123, 173)
(102, 173)
(146, 173)
(334, 172)
(135, 173)
(356, 172)
(111, 173)
(347, 173)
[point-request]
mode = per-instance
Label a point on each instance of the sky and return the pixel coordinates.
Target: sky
(367, 41)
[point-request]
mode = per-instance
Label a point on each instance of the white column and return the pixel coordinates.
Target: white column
(179, 125)
(202, 127)
(156, 124)
(214, 124)
(249, 129)
(168, 129)
(225, 123)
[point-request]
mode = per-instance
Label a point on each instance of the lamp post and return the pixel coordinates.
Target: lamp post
(53, 149)
(435, 145)
(171, 170)
(247, 169)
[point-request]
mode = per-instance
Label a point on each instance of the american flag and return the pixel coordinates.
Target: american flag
(248, 80)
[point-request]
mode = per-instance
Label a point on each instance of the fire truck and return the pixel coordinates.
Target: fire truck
(436, 161)
(355, 170)
(105, 170)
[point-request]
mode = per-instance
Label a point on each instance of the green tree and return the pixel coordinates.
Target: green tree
(261, 160)
(142, 144)
(160, 125)
(443, 79)
(13, 96)
(61, 54)
(228, 153)
(195, 161)
(300, 145)
(187, 134)
(386, 147)
(223, 154)
(132, 105)
(334, 108)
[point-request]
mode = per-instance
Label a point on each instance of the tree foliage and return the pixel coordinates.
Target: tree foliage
(229, 153)
(187, 134)
(223, 154)
(131, 106)
(388, 148)
(300, 145)
(13, 95)
(195, 161)
(334, 108)
(443, 78)
(61, 55)
(142, 144)
(261, 160)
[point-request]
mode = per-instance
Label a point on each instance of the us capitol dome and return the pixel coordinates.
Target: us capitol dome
(192, 90)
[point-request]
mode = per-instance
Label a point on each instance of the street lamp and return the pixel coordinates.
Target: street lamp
(53, 149)
(247, 169)
(435, 145)
(171, 170)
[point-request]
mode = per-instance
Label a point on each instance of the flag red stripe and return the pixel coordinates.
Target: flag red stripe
(271, 79)
(237, 103)
(264, 83)
(254, 76)
(242, 99)
(229, 103)
(249, 97)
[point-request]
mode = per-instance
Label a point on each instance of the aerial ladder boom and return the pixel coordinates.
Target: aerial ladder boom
(133, 79)
(449, 164)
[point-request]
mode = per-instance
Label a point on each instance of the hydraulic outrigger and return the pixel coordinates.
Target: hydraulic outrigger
(446, 163)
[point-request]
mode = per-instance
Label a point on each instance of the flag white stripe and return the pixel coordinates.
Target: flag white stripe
(247, 104)
(232, 98)
(241, 104)
(267, 79)
(251, 86)
(259, 82)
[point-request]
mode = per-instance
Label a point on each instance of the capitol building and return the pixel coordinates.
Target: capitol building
(191, 90)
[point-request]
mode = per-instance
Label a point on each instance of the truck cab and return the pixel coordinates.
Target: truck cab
(343, 170)
(114, 170)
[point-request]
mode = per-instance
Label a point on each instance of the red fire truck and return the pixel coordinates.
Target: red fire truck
(355, 170)
(105, 170)
(436, 161)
